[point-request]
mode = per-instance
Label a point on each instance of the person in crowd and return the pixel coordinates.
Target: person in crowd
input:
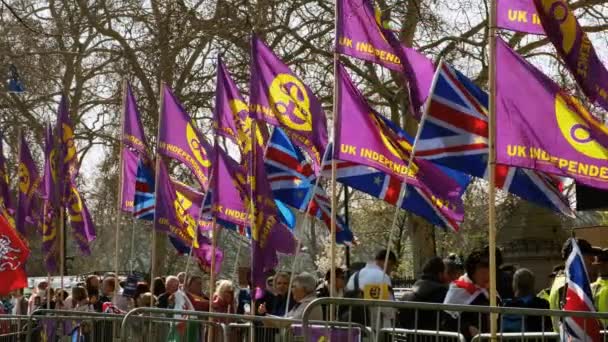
(107, 289)
(430, 288)
(504, 279)
(141, 288)
(92, 282)
(146, 300)
(94, 299)
(544, 293)
(524, 297)
(80, 299)
(453, 268)
(371, 282)
(304, 292)
(171, 286)
(600, 287)
(270, 285)
(194, 290)
(18, 302)
(323, 290)
(36, 296)
(47, 299)
(182, 278)
(470, 289)
(275, 304)
(223, 298)
(244, 294)
(558, 288)
(159, 286)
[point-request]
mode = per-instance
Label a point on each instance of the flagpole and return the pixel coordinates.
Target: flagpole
(492, 164)
(252, 214)
(212, 268)
(403, 190)
(156, 184)
(334, 185)
(346, 223)
(61, 241)
(120, 185)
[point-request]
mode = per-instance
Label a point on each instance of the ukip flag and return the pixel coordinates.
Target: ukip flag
(83, 228)
(181, 140)
(66, 158)
(170, 215)
(134, 148)
(575, 49)
(365, 137)
(269, 236)
(361, 35)
(541, 127)
(454, 133)
(228, 193)
(518, 16)
(280, 98)
(6, 205)
(29, 183)
(50, 205)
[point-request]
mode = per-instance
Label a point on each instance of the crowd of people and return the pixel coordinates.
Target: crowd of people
(449, 281)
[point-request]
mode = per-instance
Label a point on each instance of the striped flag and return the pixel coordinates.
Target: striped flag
(143, 205)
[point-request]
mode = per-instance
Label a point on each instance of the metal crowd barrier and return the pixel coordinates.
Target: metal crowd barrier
(477, 316)
(13, 328)
(57, 325)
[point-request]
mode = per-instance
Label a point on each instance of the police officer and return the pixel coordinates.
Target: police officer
(544, 293)
(600, 287)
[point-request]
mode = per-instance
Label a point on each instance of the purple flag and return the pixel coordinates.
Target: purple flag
(170, 215)
(29, 183)
(326, 333)
(227, 197)
(179, 139)
(231, 114)
(49, 206)
(204, 254)
(360, 35)
(80, 220)
(190, 201)
(280, 98)
(134, 148)
(66, 158)
(519, 16)
(575, 49)
(366, 138)
(268, 235)
(541, 127)
(5, 193)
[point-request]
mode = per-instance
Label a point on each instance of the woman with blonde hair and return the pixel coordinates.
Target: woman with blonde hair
(223, 297)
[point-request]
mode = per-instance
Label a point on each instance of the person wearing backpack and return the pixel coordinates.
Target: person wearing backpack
(372, 283)
(523, 287)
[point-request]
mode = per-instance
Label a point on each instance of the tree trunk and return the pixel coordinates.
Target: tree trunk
(422, 235)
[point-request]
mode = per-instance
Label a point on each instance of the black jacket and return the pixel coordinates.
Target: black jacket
(427, 289)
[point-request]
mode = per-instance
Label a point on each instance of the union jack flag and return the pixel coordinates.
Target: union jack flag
(144, 201)
(455, 134)
(292, 179)
(578, 298)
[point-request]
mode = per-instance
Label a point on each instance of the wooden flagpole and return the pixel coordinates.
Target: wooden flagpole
(120, 188)
(153, 270)
(212, 268)
(492, 164)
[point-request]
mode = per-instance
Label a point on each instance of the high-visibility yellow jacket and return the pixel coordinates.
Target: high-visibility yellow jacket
(556, 297)
(600, 295)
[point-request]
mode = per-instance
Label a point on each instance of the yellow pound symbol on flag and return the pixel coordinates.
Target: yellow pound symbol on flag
(376, 292)
(289, 98)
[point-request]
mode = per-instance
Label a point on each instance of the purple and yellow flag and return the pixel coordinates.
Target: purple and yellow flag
(364, 137)
(227, 192)
(541, 127)
(179, 139)
(29, 183)
(280, 98)
(575, 49)
(6, 205)
(360, 34)
(190, 201)
(518, 16)
(134, 148)
(50, 206)
(170, 215)
(66, 159)
(231, 112)
(83, 228)
(268, 235)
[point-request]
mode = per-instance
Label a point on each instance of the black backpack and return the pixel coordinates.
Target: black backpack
(355, 314)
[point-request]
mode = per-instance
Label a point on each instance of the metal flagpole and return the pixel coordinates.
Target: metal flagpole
(120, 187)
(212, 268)
(403, 190)
(157, 167)
(252, 214)
(346, 223)
(492, 164)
